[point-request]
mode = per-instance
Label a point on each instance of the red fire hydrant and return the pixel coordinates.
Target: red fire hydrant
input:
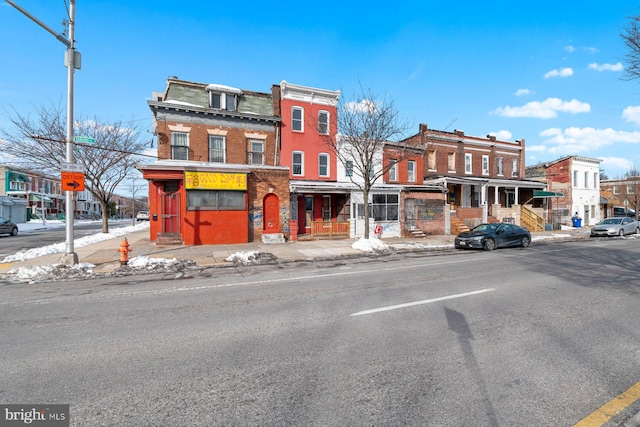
(124, 252)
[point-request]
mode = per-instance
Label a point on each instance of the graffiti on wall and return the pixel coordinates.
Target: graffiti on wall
(255, 216)
(285, 220)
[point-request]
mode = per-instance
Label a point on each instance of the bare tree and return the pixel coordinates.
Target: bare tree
(366, 123)
(631, 38)
(629, 191)
(40, 142)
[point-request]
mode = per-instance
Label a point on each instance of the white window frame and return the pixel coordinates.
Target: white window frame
(485, 165)
(393, 170)
(251, 153)
(451, 161)
(586, 179)
(293, 163)
(225, 99)
(499, 166)
(212, 138)
(468, 163)
(300, 120)
(575, 178)
(321, 123)
(327, 158)
(411, 171)
(514, 167)
(175, 134)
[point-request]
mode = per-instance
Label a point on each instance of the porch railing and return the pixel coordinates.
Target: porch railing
(531, 220)
(330, 229)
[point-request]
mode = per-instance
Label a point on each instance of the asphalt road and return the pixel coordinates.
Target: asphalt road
(541, 336)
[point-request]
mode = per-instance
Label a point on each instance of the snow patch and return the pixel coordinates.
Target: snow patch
(370, 245)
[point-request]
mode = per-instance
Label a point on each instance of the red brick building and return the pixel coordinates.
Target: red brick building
(218, 179)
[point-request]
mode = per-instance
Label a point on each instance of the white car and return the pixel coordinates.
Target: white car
(616, 226)
(142, 216)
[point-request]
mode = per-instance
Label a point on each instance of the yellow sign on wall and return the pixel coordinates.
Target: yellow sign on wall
(214, 181)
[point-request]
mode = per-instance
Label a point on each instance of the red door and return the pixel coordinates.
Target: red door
(170, 213)
(271, 206)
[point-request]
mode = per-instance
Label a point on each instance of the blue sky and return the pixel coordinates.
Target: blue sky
(546, 71)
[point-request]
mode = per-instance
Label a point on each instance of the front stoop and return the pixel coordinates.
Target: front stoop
(272, 238)
(169, 239)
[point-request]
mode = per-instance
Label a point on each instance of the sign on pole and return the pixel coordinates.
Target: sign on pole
(84, 138)
(73, 181)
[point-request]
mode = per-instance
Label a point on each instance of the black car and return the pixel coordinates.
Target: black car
(8, 227)
(492, 236)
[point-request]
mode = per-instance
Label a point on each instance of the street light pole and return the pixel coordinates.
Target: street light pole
(72, 61)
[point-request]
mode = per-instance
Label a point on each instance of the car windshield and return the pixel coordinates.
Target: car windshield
(485, 227)
(610, 221)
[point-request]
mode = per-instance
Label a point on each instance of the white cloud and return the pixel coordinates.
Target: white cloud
(524, 92)
(560, 72)
(503, 135)
(546, 109)
(632, 114)
(364, 106)
(606, 67)
(575, 140)
(591, 49)
(536, 148)
(570, 49)
(616, 164)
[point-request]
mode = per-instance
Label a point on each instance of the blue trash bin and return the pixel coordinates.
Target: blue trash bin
(577, 222)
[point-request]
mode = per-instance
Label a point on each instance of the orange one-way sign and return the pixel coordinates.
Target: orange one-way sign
(72, 181)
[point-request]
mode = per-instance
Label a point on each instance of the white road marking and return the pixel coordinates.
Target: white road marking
(427, 301)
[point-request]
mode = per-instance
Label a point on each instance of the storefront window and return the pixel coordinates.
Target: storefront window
(385, 207)
(216, 200)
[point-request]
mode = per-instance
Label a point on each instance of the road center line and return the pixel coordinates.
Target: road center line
(427, 301)
(611, 409)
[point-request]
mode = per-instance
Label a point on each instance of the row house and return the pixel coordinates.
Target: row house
(573, 184)
(622, 193)
(218, 178)
(319, 206)
(484, 177)
(43, 194)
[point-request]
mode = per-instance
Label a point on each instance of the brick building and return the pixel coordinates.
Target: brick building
(218, 178)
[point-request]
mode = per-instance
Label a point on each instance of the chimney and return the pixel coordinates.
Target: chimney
(423, 128)
(459, 132)
(492, 138)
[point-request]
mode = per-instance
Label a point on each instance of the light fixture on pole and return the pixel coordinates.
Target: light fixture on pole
(72, 62)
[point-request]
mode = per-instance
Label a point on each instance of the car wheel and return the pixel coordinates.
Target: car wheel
(489, 244)
(621, 233)
(14, 231)
(525, 242)
(638, 230)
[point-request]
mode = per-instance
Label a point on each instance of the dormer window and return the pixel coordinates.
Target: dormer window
(223, 97)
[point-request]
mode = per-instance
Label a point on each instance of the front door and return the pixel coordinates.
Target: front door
(271, 206)
(170, 204)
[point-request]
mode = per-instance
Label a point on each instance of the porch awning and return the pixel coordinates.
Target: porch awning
(37, 198)
(545, 194)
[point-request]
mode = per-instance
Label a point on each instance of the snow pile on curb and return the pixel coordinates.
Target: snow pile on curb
(370, 245)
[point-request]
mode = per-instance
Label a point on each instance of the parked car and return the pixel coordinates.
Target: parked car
(8, 227)
(615, 226)
(492, 236)
(618, 211)
(142, 216)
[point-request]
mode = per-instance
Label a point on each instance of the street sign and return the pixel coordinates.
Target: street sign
(71, 167)
(72, 181)
(84, 138)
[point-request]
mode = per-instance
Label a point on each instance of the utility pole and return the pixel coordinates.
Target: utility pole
(72, 62)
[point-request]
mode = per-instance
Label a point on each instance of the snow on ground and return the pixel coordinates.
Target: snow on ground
(370, 245)
(61, 247)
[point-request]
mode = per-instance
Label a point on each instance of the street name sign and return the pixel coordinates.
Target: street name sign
(84, 138)
(71, 167)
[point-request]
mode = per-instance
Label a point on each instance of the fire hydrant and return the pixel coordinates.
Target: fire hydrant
(124, 252)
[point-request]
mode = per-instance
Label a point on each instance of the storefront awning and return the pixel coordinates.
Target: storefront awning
(545, 194)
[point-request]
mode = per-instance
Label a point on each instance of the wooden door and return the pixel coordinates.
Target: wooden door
(271, 208)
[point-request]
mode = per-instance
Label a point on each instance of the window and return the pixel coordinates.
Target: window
(411, 171)
(348, 168)
(432, 160)
(297, 119)
(485, 165)
(630, 189)
(216, 200)
(514, 167)
(216, 149)
(499, 166)
(296, 163)
(575, 178)
(393, 170)
(451, 162)
(180, 145)
(467, 163)
(323, 122)
(385, 207)
(616, 189)
(255, 151)
(323, 164)
(595, 179)
(586, 180)
(223, 101)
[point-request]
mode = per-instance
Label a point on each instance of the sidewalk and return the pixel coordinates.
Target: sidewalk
(105, 257)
